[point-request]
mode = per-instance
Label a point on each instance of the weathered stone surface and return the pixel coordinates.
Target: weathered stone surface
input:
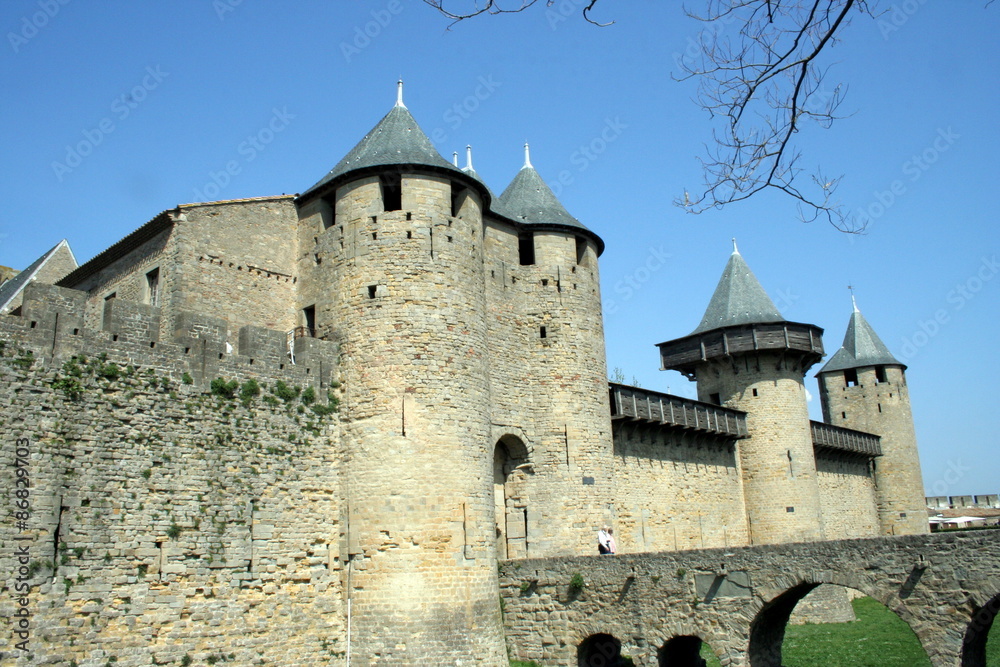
(944, 586)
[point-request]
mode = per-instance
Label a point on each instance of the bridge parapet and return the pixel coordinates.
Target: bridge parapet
(738, 600)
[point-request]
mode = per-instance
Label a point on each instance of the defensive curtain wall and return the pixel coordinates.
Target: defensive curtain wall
(165, 522)
(658, 607)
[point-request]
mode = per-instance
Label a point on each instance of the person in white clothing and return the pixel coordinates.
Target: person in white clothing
(604, 541)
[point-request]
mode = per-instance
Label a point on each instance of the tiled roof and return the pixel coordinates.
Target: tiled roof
(738, 299)
(862, 347)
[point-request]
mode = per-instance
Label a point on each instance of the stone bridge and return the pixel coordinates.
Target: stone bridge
(659, 606)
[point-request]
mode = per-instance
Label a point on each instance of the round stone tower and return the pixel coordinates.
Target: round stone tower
(745, 355)
(863, 387)
(563, 382)
(396, 275)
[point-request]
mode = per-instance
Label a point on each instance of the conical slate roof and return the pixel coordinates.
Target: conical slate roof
(529, 200)
(738, 299)
(862, 347)
(395, 140)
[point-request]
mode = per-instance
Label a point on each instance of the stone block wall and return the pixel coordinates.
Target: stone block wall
(847, 495)
(882, 406)
(549, 383)
(125, 278)
(237, 260)
(165, 521)
(777, 460)
(676, 491)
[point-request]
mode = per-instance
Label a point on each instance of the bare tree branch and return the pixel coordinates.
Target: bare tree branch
(765, 83)
(501, 7)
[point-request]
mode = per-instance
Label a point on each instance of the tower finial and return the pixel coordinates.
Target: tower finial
(736, 250)
(853, 300)
(468, 158)
(399, 94)
(454, 158)
(527, 157)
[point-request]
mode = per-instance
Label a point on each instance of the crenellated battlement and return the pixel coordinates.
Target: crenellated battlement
(51, 326)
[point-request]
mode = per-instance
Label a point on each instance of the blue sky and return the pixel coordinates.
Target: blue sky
(113, 113)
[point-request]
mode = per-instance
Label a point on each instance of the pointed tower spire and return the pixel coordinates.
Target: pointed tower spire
(468, 158)
(395, 140)
(527, 157)
(862, 347)
(399, 94)
(738, 298)
(736, 250)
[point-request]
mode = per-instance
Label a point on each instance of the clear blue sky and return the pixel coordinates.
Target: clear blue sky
(164, 95)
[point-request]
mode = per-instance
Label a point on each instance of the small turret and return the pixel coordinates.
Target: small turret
(863, 387)
(745, 355)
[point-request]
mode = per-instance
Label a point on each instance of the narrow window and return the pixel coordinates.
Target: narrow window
(880, 374)
(371, 291)
(843, 415)
(581, 249)
(526, 249)
(392, 192)
(328, 214)
(715, 398)
(456, 199)
(851, 377)
(106, 321)
(542, 333)
(309, 321)
(755, 391)
(153, 287)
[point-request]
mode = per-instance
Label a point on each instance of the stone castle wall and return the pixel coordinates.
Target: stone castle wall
(676, 491)
(883, 407)
(847, 495)
(125, 279)
(165, 521)
(777, 460)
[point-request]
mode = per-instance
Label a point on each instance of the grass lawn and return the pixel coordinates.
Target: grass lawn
(878, 638)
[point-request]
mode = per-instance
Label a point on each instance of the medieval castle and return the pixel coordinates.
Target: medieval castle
(299, 430)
